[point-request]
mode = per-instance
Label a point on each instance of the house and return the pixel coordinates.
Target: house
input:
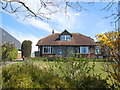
(5, 37)
(65, 44)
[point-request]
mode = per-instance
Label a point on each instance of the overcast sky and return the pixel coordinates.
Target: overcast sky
(88, 22)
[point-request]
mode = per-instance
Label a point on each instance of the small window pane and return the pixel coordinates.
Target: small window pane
(65, 37)
(84, 50)
(47, 49)
(97, 50)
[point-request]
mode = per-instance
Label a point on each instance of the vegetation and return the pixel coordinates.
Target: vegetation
(27, 75)
(110, 45)
(65, 74)
(26, 48)
(9, 52)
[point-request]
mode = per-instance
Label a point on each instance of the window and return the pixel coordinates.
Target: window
(84, 50)
(47, 49)
(65, 37)
(97, 50)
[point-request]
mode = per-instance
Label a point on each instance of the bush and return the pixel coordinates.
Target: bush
(9, 52)
(27, 75)
(92, 82)
(79, 73)
(26, 48)
(72, 74)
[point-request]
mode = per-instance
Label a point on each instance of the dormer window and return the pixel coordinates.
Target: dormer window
(65, 37)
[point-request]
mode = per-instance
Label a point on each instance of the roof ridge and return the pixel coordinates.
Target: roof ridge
(51, 40)
(75, 33)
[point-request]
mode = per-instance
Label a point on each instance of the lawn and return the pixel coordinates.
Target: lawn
(46, 64)
(98, 66)
(97, 70)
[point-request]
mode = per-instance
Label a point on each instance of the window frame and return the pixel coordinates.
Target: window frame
(84, 47)
(97, 50)
(49, 49)
(65, 38)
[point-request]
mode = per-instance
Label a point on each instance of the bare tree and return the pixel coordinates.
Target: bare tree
(43, 9)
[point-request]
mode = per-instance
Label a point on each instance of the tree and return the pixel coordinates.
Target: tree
(9, 52)
(110, 44)
(26, 48)
(43, 9)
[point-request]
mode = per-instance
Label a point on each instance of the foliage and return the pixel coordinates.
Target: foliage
(110, 45)
(108, 42)
(9, 52)
(29, 76)
(78, 73)
(26, 48)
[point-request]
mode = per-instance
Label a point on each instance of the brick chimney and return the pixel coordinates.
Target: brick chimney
(52, 31)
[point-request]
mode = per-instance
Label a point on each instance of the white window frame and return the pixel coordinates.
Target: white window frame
(84, 47)
(49, 49)
(65, 37)
(97, 50)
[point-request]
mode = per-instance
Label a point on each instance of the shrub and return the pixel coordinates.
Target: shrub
(72, 74)
(92, 82)
(79, 73)
(26, 48)
(27, 75)
(9, 52)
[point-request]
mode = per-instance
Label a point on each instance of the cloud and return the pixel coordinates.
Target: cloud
(23, 36)
(70, 21)
(77, 14)
(59, 21)
(40, 24)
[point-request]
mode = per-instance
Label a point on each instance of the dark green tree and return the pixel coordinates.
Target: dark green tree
(9, 52)
(26, 48)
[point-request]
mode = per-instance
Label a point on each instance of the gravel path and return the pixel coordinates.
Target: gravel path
(10, 62)
(6, 63)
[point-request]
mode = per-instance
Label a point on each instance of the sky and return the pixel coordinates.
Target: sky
(89, 22)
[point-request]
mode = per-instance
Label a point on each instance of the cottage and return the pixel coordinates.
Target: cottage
(65, 44)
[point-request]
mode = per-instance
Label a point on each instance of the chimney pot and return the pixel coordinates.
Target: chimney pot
(52, 31)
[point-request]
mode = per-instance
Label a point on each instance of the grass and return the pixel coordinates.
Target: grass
(97, 69)
(98, 66)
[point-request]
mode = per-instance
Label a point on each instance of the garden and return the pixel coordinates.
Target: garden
(67, 72)
(63, 72)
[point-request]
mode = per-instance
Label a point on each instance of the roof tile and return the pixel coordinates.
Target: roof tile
(77, 39)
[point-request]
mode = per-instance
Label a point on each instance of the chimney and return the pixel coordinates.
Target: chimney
(52, 31)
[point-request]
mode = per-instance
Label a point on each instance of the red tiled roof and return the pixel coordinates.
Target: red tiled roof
(76, 39)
